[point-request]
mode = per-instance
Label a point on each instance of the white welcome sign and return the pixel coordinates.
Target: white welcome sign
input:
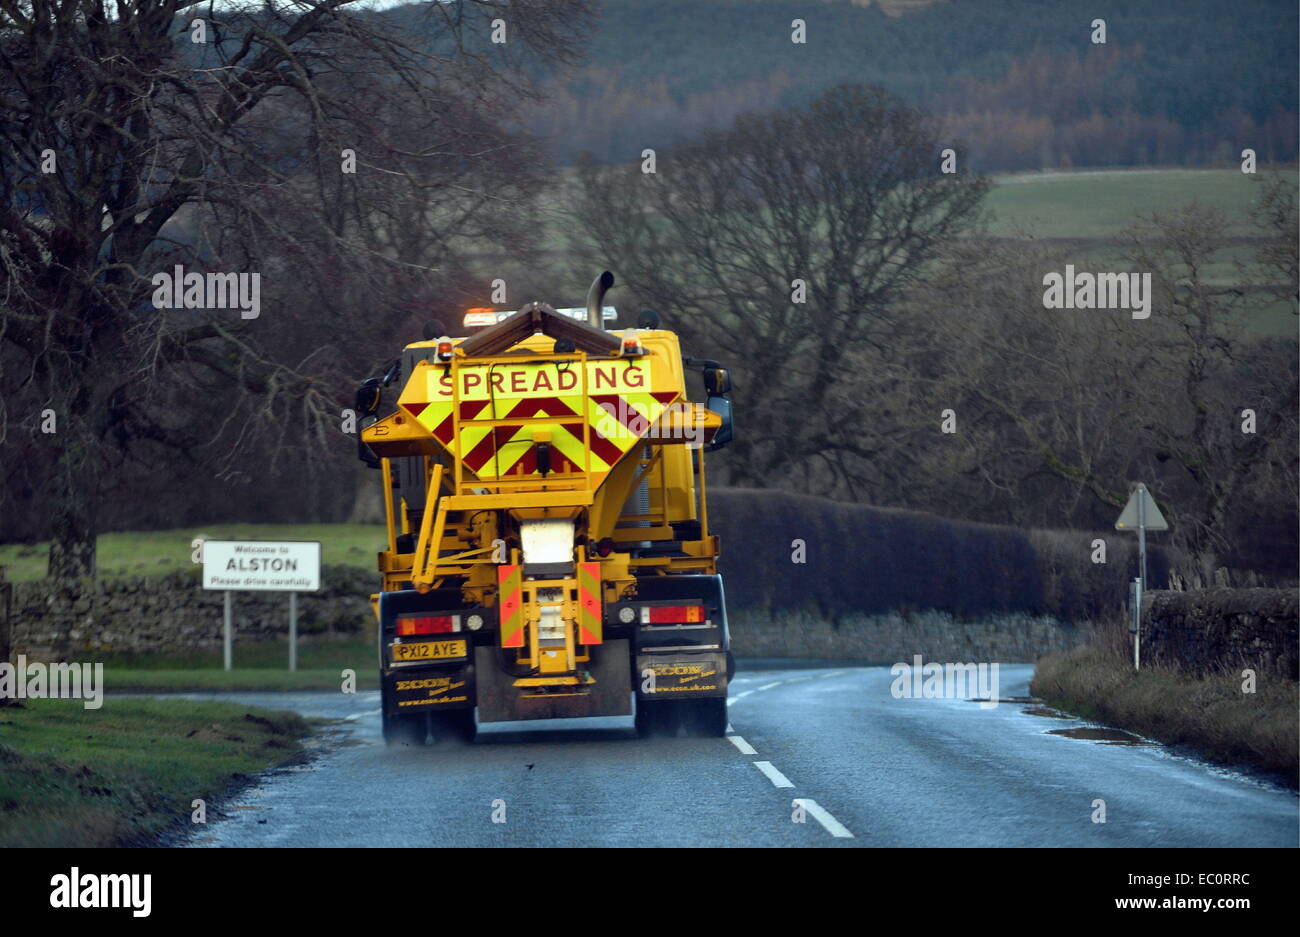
(261, 565)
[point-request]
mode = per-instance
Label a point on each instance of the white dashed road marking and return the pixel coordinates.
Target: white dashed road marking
(818, 812)
(741, 745)
(822, 816)
(776, 777)
(738, 696)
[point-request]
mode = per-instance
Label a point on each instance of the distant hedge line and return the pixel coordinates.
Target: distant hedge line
(864, 560)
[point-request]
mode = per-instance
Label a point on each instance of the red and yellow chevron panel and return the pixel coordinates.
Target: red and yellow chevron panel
(617, 409)
(589, 611)
(510, 604)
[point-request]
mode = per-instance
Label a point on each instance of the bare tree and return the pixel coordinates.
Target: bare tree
(783, 245)
(128, 147)
(1062, 409)
(1277, 219)
(1214, 372)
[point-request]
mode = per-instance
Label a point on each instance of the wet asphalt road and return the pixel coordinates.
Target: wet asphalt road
(867, 770)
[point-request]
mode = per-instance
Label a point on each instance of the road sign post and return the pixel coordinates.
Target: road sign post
(1135, 620)
(291, 566)
(293, 631)
(1142, 514)
(227, 631)
(1142, 535)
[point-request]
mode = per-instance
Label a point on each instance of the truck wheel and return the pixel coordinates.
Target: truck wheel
(406, 729)
(455, 726)
(652, 718)
(705, 718)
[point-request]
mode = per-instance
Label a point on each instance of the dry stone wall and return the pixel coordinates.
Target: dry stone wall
(173, 612)
(1210, 629)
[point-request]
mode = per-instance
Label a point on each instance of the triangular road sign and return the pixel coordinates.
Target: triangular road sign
(1128, 519)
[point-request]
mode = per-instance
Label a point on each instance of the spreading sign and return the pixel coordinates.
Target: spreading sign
(542, 379)
(264, 565)
(488, 416)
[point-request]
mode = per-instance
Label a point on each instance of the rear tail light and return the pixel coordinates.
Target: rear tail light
(428, 624)
(605, 546)
(671, 614)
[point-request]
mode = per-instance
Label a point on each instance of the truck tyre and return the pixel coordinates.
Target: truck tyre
(456, 726)
(406, 729)
(705, 718)
(652, 718)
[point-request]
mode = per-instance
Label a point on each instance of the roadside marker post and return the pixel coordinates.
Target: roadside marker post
(1142, 514)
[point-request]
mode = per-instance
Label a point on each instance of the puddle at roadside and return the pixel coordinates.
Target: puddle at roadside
(1105, 736)
(1047, 712)
(1097, 734)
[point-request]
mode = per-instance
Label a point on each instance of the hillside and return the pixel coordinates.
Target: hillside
(1190, 83)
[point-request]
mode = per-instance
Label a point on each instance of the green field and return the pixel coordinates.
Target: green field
(163, 551)
(1100, 204)
(1087, 209)
(259, 665)
(128, 772)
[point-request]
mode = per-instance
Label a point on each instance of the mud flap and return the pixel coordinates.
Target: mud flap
(499, 700)
(670, 676)
(408, 691)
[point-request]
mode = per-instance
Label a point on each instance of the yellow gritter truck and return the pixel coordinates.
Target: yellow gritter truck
(548, 551)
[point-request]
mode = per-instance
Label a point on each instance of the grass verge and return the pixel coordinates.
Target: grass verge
(258, 666)
(1209, 714)
(123, 774)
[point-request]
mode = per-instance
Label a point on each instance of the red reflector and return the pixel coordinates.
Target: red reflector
(675, 614)
(431, 625)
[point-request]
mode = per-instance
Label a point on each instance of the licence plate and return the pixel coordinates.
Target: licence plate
(428, 650)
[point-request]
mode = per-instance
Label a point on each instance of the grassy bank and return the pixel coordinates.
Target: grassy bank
(259, 666)
(123, 774)
(1209, 714)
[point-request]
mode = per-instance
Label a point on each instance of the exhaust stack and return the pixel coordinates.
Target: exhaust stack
(595, 298)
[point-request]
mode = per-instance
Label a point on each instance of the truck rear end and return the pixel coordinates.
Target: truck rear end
(548, 549)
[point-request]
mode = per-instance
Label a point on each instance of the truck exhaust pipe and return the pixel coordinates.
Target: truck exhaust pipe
(595, 299)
